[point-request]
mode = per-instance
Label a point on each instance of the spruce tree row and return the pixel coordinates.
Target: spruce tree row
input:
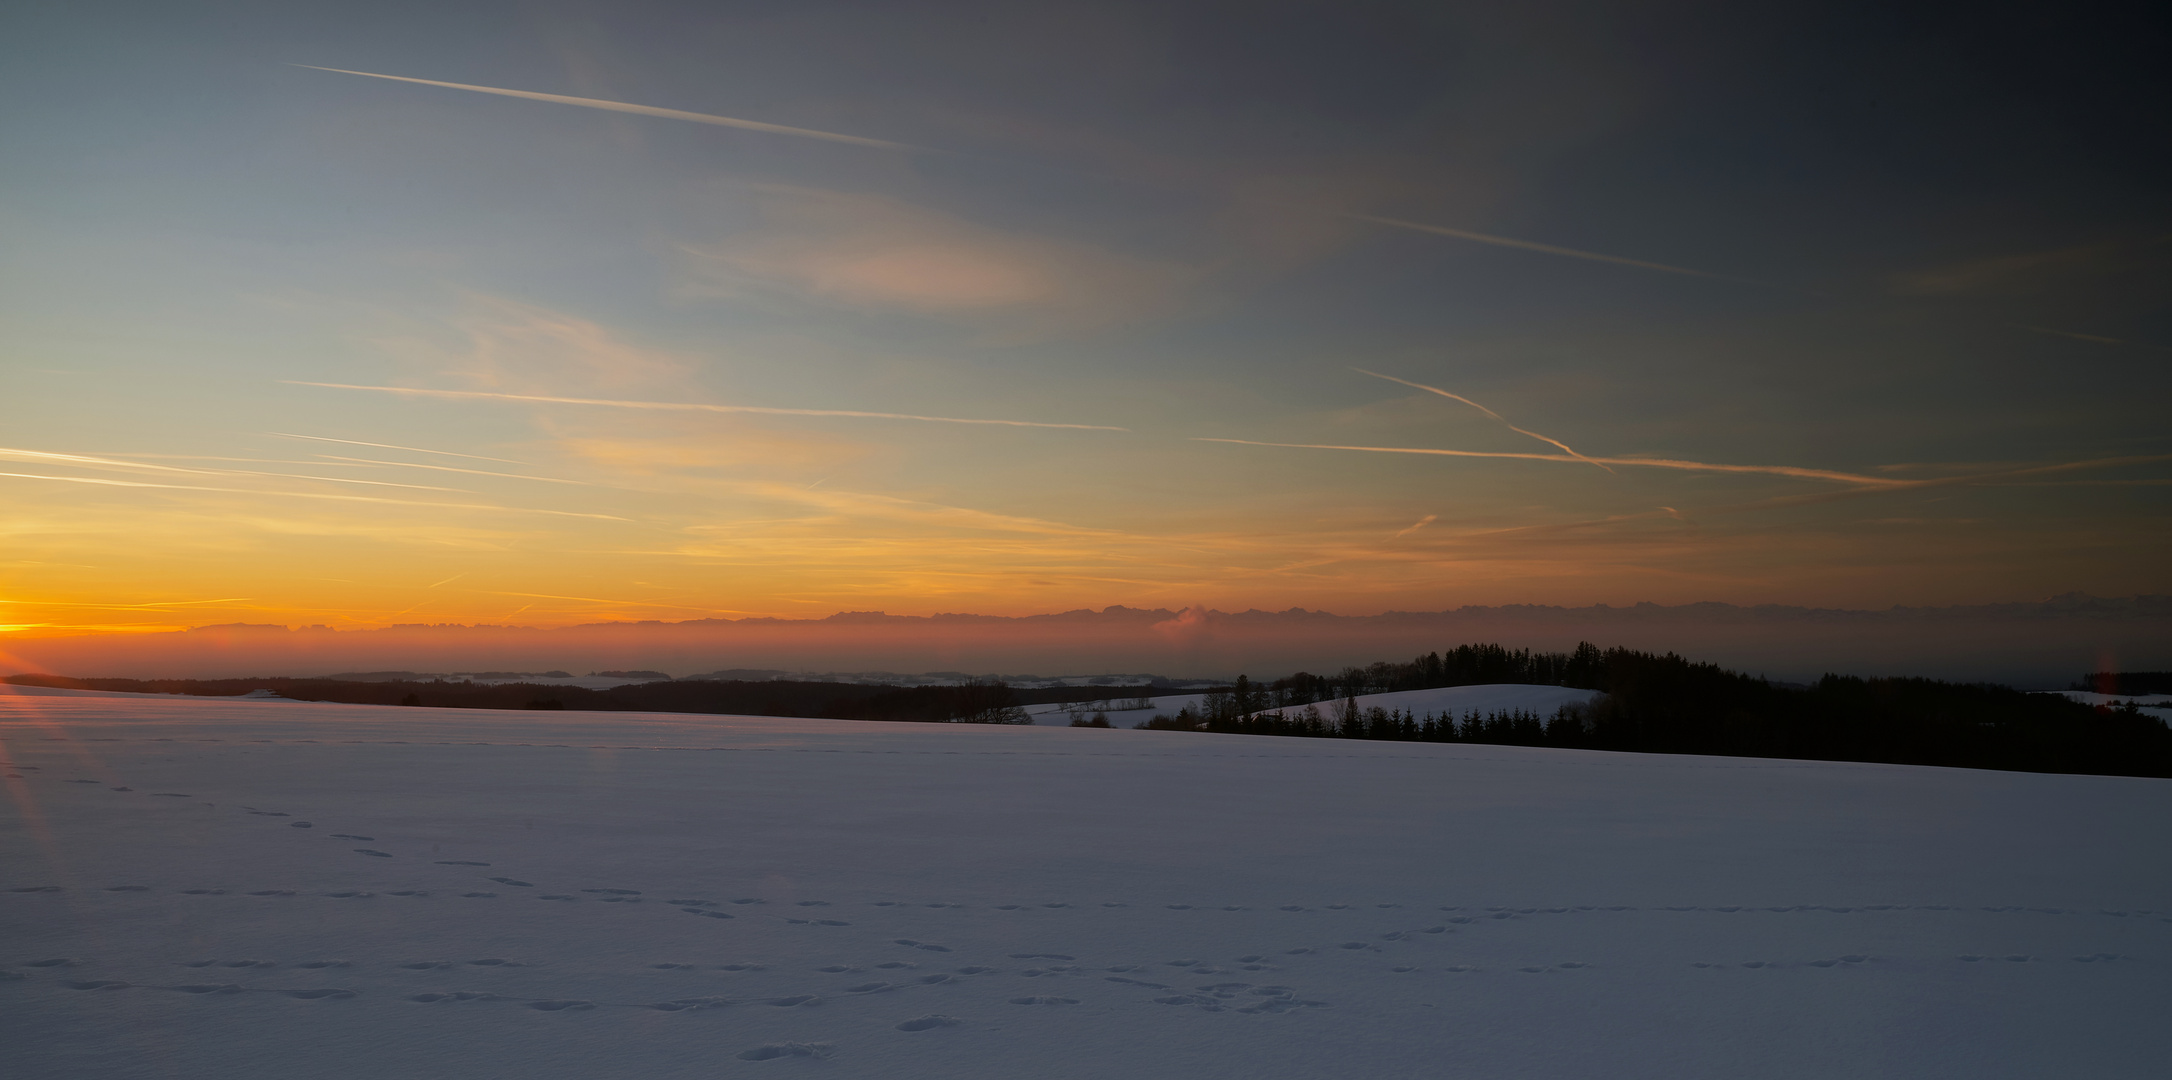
(1666, 704)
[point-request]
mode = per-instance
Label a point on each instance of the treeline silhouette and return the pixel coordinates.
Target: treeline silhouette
(978, 701)
(1666, 704)
(2126, 683)
(1646, 703)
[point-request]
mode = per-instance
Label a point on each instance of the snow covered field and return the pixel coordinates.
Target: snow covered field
(242, 889)
(2157, 705)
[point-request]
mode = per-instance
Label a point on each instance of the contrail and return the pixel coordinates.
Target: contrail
(1481, 408)
(389, 446)
(684, 406)
(1526, 245)
(449, 468)
(310, 495)
(98, 462)
(1993, 477)
(1652, 463)
(643, 110)
(134, 607)
(1421, 523)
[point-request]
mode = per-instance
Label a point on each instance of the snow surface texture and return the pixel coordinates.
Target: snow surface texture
(235, 889)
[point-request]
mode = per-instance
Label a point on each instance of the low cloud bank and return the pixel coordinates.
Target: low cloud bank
(2043, 644)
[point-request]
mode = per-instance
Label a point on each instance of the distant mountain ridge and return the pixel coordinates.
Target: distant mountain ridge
(2039, 643)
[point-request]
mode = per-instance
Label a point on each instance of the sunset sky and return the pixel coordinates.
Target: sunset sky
(675, 311)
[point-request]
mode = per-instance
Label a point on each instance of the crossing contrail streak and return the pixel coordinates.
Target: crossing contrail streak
(685, 406)
(1527, 245)
(1648, 463)
(391, 446)
(1481, 408)
(102, 482)
(642, 110)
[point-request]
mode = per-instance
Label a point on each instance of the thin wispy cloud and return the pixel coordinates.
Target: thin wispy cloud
(1565, 448)
(390, 446)
(687, 406)
(919, 511)
(1639, 462)
(643, 110)
(872, 253)
(1419, 524)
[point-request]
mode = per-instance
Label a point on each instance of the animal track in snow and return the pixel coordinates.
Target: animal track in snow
(929, 1022)
(773, 1051)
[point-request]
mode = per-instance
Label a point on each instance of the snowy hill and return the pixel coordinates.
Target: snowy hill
(204, 888)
